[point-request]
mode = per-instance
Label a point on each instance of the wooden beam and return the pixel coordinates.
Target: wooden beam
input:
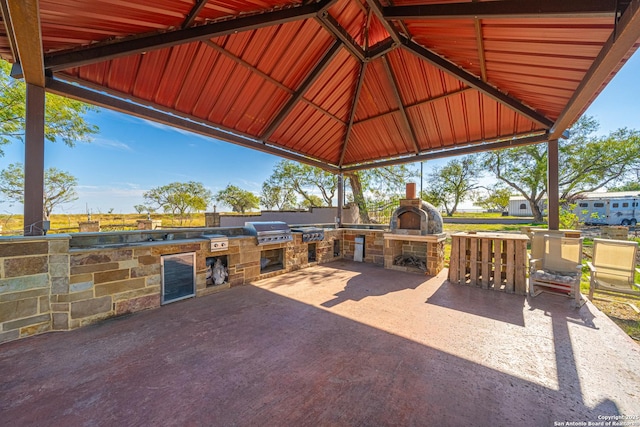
(193, 13)
(124, 106)
(6, 18)
(415, 104)
(381, 49)
(302, 89)
(332, 26)
(25, 27)
(138, 44)
(619, 44)
(471, 80)
(377, 8)
(248, 66)
(480, 46)
(505, 9)
(473, 147)
(352, 113)
(403, 113)
(553, 191)
(34, 162)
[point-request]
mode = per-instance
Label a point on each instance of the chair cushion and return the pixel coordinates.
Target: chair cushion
(554, 276)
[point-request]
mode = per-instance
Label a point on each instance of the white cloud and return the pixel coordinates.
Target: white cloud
(111, 144)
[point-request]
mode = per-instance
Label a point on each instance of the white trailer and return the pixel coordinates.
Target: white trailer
(609, 210)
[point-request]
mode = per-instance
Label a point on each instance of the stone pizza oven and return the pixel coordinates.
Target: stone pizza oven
(415, 216)
(416, 241)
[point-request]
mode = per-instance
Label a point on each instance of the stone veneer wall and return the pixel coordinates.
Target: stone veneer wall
(432, 250)
(45, 285)
(29, 269)
(373, 244)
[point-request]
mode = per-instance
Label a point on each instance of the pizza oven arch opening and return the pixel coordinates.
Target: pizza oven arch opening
(409, 220)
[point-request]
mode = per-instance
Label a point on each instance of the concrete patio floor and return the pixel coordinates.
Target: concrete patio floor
(339, 344)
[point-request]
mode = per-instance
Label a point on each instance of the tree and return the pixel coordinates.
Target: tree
(377, 183)
(306, 181)
(627, 186)
(240, 200)
(454, 182)
(59, 187)
(587, 162)
(312, 202)
(496, 198)
(317, 187)
(143, 208)
(179, 198)
(274, 195)
(63, 116)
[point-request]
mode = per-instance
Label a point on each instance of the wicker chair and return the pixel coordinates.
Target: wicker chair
(614, 266)
(560, 268)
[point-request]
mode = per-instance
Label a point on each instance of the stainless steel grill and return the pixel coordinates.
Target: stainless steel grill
(219, 242)
(269, 232)
(310, 234)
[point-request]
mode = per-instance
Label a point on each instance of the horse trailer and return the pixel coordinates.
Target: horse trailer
(609, 211)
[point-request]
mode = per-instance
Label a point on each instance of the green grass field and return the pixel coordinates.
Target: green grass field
(68, 223)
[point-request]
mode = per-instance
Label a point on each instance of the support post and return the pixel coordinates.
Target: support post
(34, 162)
(340, 200)
(553, 205)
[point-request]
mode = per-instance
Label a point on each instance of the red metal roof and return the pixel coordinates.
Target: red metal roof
(343, 82)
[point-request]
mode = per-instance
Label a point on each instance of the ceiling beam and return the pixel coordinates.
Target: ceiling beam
(6, 18)
(480, 46)
(478, 146)
(616, 48)
(352, 114)
(248, 66)
(193, 13)
(124, 106)
(24, 20)
(300, 91)
(377, 8)
(505, 9)
(471, 80)
(330, 24)
(403, 113)
(415, 104)
(110, 50)
(381, 49)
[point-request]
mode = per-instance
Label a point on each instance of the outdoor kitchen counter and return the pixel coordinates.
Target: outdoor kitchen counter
(492, 260)
(149, 243)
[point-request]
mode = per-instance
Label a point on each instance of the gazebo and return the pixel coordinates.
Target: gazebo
(339, 84)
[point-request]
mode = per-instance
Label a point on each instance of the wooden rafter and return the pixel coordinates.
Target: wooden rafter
(330, 24)
(505, 9)
(106, 51)
(352, 113)
(477, 23)
(396, 93)
(193, 13)
(471, 80)
(24, 18)
(415, 104)
(473, 147)
(302, 89)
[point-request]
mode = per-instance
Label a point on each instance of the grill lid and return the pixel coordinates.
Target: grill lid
(260, 227)
(269, 232)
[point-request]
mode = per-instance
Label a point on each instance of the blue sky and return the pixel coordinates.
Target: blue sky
(130, 156)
